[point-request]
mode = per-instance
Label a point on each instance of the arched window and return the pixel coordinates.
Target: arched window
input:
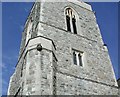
(71, 20)
(68, 23)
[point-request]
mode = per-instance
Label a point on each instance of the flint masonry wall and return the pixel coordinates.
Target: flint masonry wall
(38, 78)
(52, 71)
(97, 70)
(97, 66)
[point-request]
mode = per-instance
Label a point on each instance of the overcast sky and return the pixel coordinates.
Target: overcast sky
(14, 16)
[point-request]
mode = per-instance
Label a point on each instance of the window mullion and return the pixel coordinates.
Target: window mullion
(77, 58)
(71, 24)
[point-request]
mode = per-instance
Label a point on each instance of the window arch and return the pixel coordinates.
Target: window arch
(71, 20)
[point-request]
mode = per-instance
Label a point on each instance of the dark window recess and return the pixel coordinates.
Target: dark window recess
(68, 23)
(22, 71)
(74, 58)
(80, 59)
(74, 25)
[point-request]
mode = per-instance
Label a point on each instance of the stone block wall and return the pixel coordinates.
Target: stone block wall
(37, 73)
(70, 85)
(97, 69)
(51, 71)
(97, 65)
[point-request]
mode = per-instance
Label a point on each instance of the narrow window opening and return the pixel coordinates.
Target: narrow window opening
(68, 23)
(22, 71)
(80, 59)
(74, 25)
(74, 58)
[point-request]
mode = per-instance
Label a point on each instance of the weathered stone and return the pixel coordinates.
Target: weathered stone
(51, 70)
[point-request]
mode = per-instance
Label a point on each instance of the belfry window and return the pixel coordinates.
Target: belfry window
(71, 21)
(77, 58)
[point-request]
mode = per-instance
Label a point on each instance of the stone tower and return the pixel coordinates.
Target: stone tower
(62, 53)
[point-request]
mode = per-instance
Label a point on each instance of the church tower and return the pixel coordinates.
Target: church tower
(62, 53)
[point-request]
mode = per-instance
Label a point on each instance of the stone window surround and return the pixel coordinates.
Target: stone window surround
(77, 53)
(69, 12)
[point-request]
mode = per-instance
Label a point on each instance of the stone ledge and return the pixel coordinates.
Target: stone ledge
(87, 79)
(67, 31)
